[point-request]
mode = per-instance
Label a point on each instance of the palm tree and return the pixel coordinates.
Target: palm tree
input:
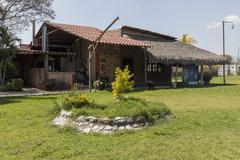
(7, 50)
(186, 39)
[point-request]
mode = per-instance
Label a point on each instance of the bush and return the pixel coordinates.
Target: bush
(14, 85)
(123, 82)
(53, 84)
(17, 84)
(207, 77)
(71, 101)
(100, 84)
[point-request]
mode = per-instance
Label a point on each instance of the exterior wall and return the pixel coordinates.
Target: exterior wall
(66, 64)
(138, 57)
(229, 70)
(67, 77)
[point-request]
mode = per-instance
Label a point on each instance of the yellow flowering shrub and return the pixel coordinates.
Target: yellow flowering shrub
(123, 82)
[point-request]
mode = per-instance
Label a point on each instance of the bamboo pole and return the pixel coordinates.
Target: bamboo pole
(201, 78)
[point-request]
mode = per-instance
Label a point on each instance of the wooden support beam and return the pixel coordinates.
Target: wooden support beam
(46, 66)
(73, 63)
(145, 69)
(89, 71)
(201, 77)
(176, 73)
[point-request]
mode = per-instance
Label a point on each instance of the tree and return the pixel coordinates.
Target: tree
(123, 82)
(17, 14)
(186, 39)
(229, 58)
(7, 50)
(229, 61)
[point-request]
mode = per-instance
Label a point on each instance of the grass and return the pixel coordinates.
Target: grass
(207, 126)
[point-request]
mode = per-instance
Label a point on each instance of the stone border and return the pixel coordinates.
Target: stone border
(90, 124)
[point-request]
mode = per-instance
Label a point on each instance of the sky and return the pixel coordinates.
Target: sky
(201, 19)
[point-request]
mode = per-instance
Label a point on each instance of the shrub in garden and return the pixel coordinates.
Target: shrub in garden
(123, 82)
(207, 77)
(99, 84)
(75, 101)
(17, 84)
(14, 85)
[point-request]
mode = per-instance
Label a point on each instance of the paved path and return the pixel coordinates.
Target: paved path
(30, 92)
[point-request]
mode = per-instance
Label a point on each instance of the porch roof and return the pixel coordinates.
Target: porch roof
(176, 52)
(25, 49)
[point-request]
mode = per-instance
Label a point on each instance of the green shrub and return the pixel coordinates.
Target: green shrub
(17, 84)
(8, 86)
(123, 82)
(99, 84)
(74, 101)
(14, 85)
(207, 77)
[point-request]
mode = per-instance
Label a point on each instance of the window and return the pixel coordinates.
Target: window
(155, 67)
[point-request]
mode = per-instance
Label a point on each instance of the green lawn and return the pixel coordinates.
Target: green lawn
(207, 126)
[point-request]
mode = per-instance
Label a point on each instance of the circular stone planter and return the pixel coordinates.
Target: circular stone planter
(105, 125)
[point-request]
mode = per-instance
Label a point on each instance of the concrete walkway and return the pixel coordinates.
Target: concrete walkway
(30, 92)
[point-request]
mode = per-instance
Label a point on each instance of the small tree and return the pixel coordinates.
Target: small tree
(186, 39)
(7, 50)
(123, 82)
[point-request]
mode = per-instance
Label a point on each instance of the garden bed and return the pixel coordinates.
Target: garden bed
(126, 114)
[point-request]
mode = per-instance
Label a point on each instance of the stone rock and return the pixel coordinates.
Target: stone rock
(108, 128)
(115, 127)
(60, 121)
(120, 121)
(105, 120)
(87, 130)
(95, 128)
(90, 125)
(135, 125)
(66, 114)
(81, 119)
(121, 128)
(140, 120)
(130, 121)
(128, 127)
(91, 119)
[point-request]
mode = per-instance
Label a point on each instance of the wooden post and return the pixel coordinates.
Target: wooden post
(73, 63)
(145, 69)
(46, 66)
(89, 71)
(44, 49)
(176, 73)
(201, 78)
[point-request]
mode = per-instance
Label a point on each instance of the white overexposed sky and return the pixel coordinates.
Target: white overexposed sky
(200, 19)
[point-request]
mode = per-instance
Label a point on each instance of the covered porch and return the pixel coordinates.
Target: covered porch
(40, 69)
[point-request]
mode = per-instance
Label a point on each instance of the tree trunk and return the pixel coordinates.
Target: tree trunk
(4, 73)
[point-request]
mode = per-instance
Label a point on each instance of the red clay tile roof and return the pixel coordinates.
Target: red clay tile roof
(91, 34)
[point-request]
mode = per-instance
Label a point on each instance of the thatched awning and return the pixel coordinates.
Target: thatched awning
(176, 52)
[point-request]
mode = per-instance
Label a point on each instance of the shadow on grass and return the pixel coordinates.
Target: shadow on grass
(7, 100)
(136, 90)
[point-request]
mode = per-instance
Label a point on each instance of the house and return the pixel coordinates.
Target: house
(230, 69)
(60, 52)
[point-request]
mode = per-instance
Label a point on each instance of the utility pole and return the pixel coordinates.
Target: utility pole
(224, 48)
(92, 50)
